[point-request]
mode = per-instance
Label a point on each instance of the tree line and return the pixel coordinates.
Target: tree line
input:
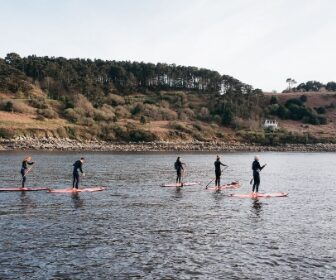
(97, 78)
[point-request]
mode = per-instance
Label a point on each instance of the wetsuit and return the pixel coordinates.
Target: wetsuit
(77, 165)
(256, 176)
(179, 168)
(218, 171)
(24, 171)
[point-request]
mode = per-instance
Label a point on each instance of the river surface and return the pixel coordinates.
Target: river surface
(137, 230)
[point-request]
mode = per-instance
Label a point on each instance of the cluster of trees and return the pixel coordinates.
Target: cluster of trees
(295, 109)
(97, 78)
(315, 86)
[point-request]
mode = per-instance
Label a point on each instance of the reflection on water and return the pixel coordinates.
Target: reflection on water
(26, 203)
(136, 229)
(76, 200)
(256, 206)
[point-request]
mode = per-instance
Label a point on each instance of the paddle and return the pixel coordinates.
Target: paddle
(28, 170)
(206, 187)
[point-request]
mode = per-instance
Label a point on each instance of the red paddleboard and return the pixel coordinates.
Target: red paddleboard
(260, 195)
(179, 185)
(233, 185)
(73, 190)
(22, 189)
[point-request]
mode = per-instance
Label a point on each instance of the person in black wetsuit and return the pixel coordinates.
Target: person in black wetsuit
(179, 167)
(256, 167)
(77, 165)
(24, 169)
(218, 171)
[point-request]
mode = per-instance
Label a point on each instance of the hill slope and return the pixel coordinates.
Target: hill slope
(130, 101)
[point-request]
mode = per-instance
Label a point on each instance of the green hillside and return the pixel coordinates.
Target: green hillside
(132, 101)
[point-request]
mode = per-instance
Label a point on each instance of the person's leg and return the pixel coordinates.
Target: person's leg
(254, 182)
(77, 180)
(257, 187)
(73, 179)
(217, 179)
(257, 182)
(179, 174)
(23, 178)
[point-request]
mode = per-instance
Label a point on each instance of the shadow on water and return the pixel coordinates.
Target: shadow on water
(77, 201)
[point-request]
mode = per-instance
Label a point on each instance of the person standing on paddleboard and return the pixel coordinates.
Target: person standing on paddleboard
(179, 167)
(24, 169)
(218, 171)
(256, 167)
(77, 165)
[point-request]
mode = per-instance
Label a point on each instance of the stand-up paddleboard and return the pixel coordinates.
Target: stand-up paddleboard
(73, 190)
(260, 195)
(176, 185)
(23, 189)
(230, 186)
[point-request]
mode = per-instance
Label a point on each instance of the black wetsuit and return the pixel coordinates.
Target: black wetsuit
(24, 170)
(218, 171)
(256, 176)
(77, 165)
(179, 168)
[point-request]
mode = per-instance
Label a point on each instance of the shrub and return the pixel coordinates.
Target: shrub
(62, 133)
(38, 102)
(122, 112)
(167, 114)
(105, 113)
(121, 133)
(143, 120)
(48, 113)
(8, 106)
(321, 110)
(294, 101)
(303, 98)
(16, 106)
(6, 133)
(71, 115)
(138, 135)
(115, 100)
(23, 108)
(204, 114)
(83, 103)
(274, 100)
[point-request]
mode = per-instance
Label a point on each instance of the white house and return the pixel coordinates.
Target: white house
(271, 124)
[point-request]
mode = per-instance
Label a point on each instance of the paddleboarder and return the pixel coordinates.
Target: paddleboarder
(24, 169)
(77, 166)
(256, 167)
(218, 171)
(179, 168)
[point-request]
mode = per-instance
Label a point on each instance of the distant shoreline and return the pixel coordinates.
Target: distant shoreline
(54, 144)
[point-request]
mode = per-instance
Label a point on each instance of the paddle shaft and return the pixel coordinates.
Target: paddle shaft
(215, 178)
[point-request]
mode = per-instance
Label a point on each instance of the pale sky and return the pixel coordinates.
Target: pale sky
(260, 42)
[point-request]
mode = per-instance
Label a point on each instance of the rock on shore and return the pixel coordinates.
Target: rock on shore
(56, 144)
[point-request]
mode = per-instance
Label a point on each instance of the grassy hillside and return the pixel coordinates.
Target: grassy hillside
(129, 101)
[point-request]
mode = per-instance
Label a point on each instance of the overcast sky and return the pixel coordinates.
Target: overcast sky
(260, 42)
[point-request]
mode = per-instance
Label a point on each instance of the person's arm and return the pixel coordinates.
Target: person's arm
(223, 164)
(261, 167)
(31, 163)
(80, 168)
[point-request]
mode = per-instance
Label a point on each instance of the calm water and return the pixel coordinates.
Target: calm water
(138, 230)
